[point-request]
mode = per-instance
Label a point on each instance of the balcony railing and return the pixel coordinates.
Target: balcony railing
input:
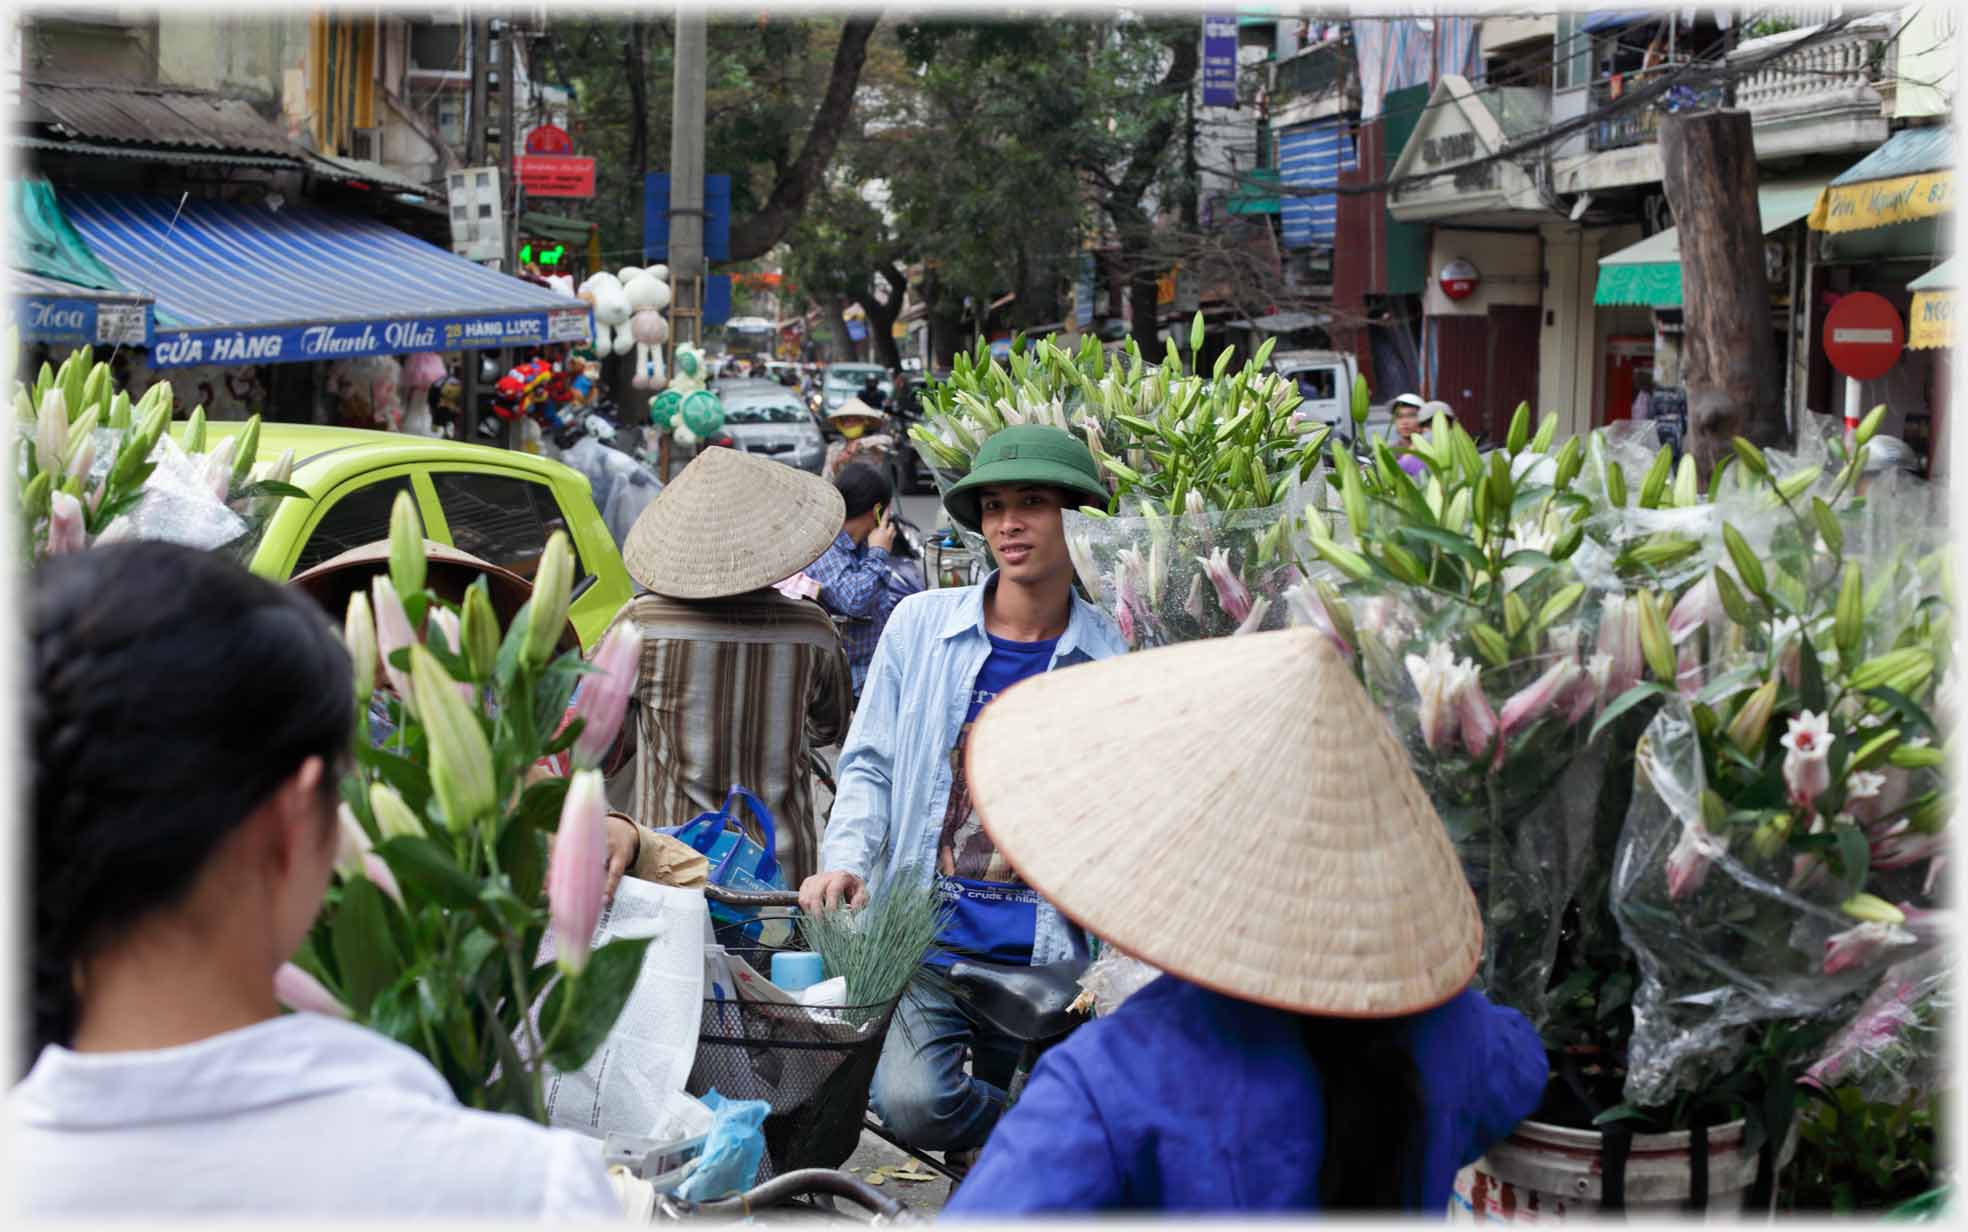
(1845, 67)
(1641, 125)
(1313, 72)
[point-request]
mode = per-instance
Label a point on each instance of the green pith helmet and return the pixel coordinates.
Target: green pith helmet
(1027, 453)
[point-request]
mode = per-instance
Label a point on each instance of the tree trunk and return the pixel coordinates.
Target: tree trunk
(755, 236)
(881, 316)
(1729, 362)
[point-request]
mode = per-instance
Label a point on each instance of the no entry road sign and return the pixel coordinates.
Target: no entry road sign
(1863, 336)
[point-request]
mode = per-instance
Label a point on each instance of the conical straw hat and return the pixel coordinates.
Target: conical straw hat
(729, 524)
(1235, 812)
(854, 408)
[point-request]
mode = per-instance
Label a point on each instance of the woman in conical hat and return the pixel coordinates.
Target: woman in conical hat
(1237, 813)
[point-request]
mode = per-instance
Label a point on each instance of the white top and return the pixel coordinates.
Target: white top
(299, 1116)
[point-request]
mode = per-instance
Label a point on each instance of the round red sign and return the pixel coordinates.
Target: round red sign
(1459, 279)
(1863, 335)
(548, 139)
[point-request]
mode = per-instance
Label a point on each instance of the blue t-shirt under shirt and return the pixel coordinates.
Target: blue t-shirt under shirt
(994, 912)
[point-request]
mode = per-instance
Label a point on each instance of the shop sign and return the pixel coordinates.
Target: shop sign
(1459, 279)
(1932, 320)
(1863, 336)
(549, 139)
(555, 175)
(1219, 60)
(1859, 207)
(55, 319)
(293, 344)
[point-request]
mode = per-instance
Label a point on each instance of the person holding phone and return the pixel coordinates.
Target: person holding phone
(861, 576)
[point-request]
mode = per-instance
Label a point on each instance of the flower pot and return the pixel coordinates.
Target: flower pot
(1546, 1172)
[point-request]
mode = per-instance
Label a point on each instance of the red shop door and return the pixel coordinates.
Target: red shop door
(1461, 369)
(1626, 358)
(1513, 366)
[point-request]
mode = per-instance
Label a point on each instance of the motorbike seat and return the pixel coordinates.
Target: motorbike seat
(1029, 1004)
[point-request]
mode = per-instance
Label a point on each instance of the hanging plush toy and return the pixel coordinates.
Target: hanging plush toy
(604, 293)
(385, 382)
(648, 294)
(420, 372)
(663, 409)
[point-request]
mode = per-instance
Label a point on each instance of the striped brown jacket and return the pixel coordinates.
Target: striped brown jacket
(735, 692)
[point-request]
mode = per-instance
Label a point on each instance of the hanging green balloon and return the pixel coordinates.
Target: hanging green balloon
(703, 413)
(663, 409)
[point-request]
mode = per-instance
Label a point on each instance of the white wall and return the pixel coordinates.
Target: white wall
(1506, 261)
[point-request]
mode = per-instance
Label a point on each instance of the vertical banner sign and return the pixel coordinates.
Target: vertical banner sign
(1220, 60)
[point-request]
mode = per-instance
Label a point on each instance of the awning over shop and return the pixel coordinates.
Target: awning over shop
(1909, 177)
(1930, 318)
(45, 243)
(239, 284)
(1613, 19)
(1648, 274)
(556, 227)
(50, 310)
(1255, 193)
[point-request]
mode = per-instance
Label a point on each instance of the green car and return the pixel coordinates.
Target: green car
(499, 505)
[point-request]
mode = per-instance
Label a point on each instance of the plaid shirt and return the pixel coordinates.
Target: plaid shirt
(863, 584)
(735, 692)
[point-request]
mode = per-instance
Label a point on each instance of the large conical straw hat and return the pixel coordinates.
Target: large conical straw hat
(1236, 812)
(729, 524)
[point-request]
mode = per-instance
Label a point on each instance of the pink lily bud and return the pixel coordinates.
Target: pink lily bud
(1435, 679)
(51, 433)
(1806, 770)
(1080, 548)
(1194, 603)
(1231, 595)
(119, 529)
(66, 532)
(1687, 864)
(1934, 868)
(353, 844)
(577, 870)
(443, 624)
(1589, 690)
(1308, 608)
(301, 992)
(1900, 847)
(1688, 669)
(378, 872)
(1255, 619)
(1123, 610)
(393, 633)
(604, 697)
(218, 467)
(1475, 717)
(1858, 946)
(1928, 925)
(1536, 699)
(1619, 641)
(83, 458)
(1701, 605)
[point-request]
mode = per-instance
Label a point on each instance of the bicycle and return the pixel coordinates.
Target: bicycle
(1029, 1004)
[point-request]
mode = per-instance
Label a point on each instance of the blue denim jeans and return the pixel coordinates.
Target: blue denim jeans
(921, 1092)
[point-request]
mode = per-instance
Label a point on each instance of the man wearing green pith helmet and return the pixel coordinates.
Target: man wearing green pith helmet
(903, 815)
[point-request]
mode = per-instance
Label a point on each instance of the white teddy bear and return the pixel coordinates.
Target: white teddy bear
(649, 294)
(603, 292)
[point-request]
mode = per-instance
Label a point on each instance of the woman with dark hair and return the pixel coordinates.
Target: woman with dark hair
(1255, 832)
(187, 727)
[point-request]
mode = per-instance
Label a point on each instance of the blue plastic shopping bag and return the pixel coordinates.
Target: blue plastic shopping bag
(737, 861)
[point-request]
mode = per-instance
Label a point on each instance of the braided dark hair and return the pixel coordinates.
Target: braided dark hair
(1373, 1099)
(171, 693)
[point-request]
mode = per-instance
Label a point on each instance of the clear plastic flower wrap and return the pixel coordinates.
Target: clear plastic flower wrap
(1503, 751)
(179, 504)
(1726, 934)
(1194, 575)
(1894, 1046)
(1110, 979)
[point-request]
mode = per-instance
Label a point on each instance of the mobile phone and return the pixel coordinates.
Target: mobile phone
(881, 514)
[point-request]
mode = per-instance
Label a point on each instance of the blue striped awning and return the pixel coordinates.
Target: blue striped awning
(1312, 156)
(50, 310)
(238, 284)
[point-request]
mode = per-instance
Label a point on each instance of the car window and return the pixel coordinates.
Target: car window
(765, 412)
(1316, 383)
(356, 518)
(501, 518)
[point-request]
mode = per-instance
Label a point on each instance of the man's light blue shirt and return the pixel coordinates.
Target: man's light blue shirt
(894, 771)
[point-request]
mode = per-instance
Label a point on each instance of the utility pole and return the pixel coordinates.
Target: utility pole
(508, 175)
(474, 157)
(686, 191)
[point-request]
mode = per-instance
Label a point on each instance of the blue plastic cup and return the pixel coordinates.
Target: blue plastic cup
(795, 970)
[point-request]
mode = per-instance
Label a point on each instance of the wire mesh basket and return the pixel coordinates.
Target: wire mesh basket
(813, 1066)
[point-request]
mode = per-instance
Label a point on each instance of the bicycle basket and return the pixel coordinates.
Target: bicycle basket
(813, 1066)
